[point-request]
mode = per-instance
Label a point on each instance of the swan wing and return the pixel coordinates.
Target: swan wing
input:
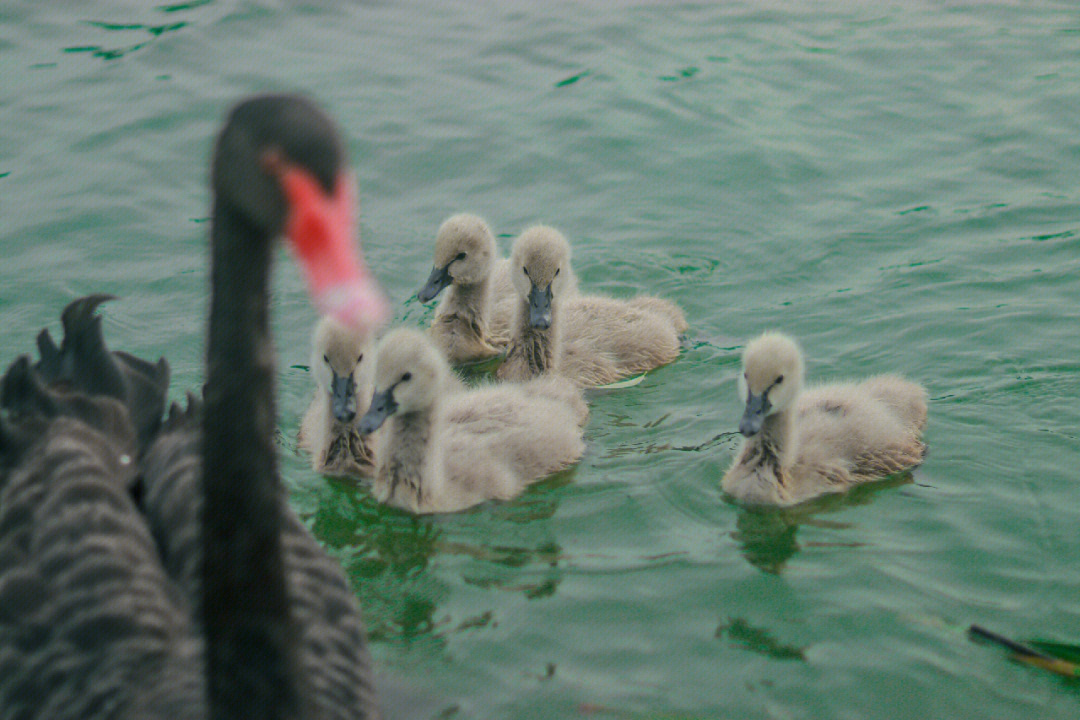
(90, 625)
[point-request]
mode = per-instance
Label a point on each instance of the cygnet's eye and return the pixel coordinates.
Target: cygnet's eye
(525, 270)
(359, 358)
(460, 256)
(327, 359)
(406, 376)
(556, 273)
(779, 380)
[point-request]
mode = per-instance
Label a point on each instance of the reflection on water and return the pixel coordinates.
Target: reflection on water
(758, 640)
(539, 501)
(646, 447)
(350, 518)
(767, 536)
(385, 553)
(497, 560)
(389, 554)
(121, 38)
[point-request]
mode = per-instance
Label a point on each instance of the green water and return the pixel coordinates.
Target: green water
(896, 185)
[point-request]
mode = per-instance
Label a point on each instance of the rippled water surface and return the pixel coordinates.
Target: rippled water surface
(894, 184)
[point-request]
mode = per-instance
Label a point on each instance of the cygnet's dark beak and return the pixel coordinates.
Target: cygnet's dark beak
(437, 281)
(382, 407)
(343, 397)
(540, 307)
(757, 407)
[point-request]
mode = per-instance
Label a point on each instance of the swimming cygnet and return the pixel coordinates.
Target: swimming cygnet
(590, 339)
(445, 449)
(802, 444)
(343, 367)
(473, 321)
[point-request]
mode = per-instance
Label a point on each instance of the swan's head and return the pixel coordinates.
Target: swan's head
(410, 374)
(342, 363)
(772, 376)
(540, 269)
(280, 169)
(464, 251)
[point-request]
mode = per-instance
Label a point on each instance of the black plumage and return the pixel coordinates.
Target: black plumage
(150, 568)
(83, 363)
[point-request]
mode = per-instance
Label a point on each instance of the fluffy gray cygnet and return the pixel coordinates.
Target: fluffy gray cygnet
(473, 320)
(343, 366)
(590, 339)
(445, 448)
(801, 444)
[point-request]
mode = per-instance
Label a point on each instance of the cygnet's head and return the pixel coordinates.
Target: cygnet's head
(410, 374)
(342, 364)
(540, 269)
(464, 251)
(772, 376)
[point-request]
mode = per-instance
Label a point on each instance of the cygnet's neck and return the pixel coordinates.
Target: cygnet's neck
(539, 348)
(469, 300)
(409, 472)
(775, 446)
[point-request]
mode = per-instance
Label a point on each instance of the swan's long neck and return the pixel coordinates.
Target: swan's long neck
(249, 634)
(407, 475)
(538, 348)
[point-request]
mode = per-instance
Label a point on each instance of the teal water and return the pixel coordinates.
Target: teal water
(895, 184)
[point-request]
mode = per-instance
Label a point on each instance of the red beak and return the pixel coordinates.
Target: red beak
(321, 228)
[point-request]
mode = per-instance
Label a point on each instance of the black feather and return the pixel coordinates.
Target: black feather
(83, 363)
(173, 583)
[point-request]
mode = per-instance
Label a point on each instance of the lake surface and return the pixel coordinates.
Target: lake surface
(894, 184)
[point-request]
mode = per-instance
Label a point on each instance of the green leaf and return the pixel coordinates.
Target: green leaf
(1062, 651)
(1058, 667)
(573, 78)
(629, 382)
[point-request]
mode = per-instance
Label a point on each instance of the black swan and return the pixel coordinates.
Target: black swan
(154, 570)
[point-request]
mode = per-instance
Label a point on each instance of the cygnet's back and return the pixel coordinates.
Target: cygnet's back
(607, 339)
(446, 449)
(850, 426)
(803, 444)
(590, 339)
(343, 367)
(524, 432)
